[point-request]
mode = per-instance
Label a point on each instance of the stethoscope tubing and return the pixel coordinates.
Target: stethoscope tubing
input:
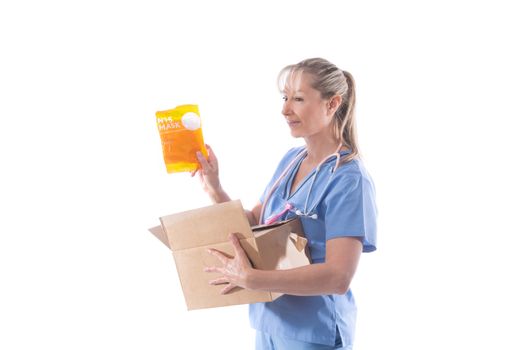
(275, 185)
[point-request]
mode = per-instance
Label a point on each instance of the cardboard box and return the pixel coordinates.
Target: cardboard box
(189, 234)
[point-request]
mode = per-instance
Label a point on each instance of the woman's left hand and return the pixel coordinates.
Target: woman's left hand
(235, 270)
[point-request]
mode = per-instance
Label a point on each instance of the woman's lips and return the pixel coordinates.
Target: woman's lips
(293, 123)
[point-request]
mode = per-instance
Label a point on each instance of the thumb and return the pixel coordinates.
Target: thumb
(202, 161)
(211, 155)
(237, 246)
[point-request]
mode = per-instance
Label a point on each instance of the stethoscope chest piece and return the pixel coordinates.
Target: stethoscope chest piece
(312, 216)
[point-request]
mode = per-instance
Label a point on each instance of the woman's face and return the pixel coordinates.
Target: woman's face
(306, 113)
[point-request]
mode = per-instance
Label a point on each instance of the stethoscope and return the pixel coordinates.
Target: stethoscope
(289, 207)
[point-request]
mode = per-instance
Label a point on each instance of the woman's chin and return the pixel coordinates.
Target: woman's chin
(296, 133)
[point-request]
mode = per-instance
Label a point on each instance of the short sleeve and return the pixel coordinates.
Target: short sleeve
(350, 210)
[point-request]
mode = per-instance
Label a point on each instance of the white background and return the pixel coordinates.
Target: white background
(82, 176)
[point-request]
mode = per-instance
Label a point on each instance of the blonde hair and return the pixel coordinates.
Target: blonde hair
(330, 81)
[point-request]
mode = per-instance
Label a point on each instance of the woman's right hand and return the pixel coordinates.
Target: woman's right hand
(209, 176)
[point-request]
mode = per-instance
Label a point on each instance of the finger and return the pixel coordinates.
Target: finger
(213, 269)
(237, 247)
(228, 256)
(212, 159)
(220, 280)
(228, 288)
(193, 173)
(219, 255)
(202, 160)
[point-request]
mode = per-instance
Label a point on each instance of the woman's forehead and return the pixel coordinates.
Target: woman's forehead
(297, 81)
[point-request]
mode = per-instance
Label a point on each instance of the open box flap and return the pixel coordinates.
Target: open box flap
(258, 228)
(205, 226)
(283, 247)
(159, 233)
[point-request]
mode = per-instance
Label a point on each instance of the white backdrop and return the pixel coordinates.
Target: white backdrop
(82, 175)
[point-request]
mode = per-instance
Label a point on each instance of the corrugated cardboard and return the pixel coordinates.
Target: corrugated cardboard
(189, 234)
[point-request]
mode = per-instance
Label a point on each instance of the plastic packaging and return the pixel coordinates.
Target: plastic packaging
(181, 135)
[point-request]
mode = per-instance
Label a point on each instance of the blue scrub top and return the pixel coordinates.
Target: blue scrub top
(345, 206)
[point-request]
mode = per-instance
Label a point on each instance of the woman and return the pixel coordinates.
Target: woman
(326, 185)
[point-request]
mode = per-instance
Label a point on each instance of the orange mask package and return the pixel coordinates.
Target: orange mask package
(181, 136)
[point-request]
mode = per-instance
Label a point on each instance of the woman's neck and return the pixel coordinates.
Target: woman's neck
(319, 147)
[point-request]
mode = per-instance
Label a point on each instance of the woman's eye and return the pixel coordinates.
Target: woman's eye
(297, 99)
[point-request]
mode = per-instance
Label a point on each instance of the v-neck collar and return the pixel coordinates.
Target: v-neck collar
(292, 175)
(287, 190)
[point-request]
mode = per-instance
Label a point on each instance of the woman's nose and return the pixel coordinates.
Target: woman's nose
(286, 108)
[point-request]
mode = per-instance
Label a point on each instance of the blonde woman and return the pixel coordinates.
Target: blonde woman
(326, 185)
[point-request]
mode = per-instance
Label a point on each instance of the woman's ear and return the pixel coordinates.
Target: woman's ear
(334, 103)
